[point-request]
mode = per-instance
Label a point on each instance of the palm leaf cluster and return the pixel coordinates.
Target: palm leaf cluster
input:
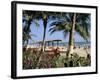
(82, 25)
(28, 18)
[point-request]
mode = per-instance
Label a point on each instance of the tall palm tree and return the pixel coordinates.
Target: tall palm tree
(71, 37)
(71, 23)
(45, 17)
(27, 20)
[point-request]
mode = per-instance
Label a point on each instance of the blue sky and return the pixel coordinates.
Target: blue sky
(38, 31)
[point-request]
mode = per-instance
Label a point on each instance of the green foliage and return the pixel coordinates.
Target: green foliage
(76, 61)
(82, 24)
(30, 61)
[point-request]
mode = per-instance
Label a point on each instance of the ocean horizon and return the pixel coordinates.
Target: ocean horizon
(64, 44)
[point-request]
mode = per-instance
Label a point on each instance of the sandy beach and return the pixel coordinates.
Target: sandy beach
(82, 51)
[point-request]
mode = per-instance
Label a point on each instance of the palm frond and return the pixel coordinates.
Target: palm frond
(82, 31)
(65, 33)
(57, 22)
(36, 22)
(58, 26)
(84, 20)
(69, 17)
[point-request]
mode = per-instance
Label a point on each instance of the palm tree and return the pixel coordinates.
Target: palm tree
(71, 23)
(27, 20)
(45, 17)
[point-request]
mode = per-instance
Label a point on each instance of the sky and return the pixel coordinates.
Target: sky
(38, 31)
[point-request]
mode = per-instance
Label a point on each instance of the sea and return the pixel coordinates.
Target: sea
(77, 44)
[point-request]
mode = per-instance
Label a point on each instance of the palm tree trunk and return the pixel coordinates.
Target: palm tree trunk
(44, 34)
(43, 44)
(71, 37)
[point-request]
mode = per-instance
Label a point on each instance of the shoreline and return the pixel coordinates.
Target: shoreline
(81, 51)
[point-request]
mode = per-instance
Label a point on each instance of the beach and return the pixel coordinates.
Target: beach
(82, 51)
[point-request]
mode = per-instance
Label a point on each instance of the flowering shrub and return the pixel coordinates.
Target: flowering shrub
(75, 61)
(52, 60)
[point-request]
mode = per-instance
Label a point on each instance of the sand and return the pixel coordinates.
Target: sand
(82, 51)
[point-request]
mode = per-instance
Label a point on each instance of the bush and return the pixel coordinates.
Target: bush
(30, 60)
(76, 61)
